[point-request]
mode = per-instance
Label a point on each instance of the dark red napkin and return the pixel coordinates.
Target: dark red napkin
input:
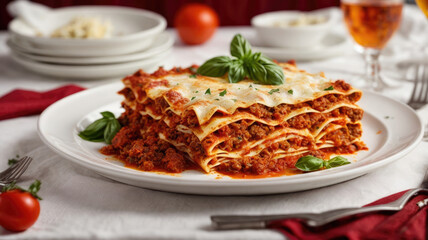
(20, 102)
(409, 223)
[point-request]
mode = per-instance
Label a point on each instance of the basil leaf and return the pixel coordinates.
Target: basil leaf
(239, 47)
(108, 115)
(256, 71)
(309, 163)
(275, 74)
(94, 129)
(215, 67)
(112, 128)
(236, 71)
(336, 162)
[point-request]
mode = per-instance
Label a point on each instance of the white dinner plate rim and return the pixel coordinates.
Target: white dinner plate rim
(133, 174)
(168, 41)
(88, 71)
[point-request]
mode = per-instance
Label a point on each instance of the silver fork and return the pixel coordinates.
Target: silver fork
(227, 222)
(15, 171)
(419, 97)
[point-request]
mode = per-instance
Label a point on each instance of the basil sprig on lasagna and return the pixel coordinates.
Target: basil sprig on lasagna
(243, 63)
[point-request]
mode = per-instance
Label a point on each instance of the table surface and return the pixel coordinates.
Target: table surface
(78, 203)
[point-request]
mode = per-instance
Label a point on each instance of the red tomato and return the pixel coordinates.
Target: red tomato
(18, 210)
(196, 23)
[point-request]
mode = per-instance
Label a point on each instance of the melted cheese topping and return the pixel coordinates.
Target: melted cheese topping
(207, 95)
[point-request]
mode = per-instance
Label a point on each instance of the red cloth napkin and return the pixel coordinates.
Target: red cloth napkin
(20, 102)
(409, 223)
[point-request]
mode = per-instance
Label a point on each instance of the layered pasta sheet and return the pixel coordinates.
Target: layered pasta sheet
(245, 127)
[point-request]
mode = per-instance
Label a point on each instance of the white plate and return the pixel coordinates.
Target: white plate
(161, 43)
(90, 71)
(133, 30)
(330, 46)
(390, 130)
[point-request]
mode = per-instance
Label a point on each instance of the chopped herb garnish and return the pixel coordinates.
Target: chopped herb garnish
(192, 69)
(192, 76)
(217, 99)
(234, 100)
(290, 91)
(192, 98)
(273, 91)
(256, 89)
(223, 93)
(239, 138)
(13, 160)
(208, 91)
(196, 91)
(251, 85)
(329, 88)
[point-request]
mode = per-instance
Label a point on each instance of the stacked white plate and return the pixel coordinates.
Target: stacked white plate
(138, 41)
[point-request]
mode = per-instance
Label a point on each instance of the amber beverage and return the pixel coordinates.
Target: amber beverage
(372, 23)
(423, 5)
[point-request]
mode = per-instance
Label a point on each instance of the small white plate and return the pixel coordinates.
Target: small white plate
(90, 71)
(161, 43)
(133, 30)
(390, 129)
(330, 46)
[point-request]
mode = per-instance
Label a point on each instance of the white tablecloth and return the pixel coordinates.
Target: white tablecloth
(80, 204)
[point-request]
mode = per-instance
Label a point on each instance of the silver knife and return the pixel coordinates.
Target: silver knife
(227, 222)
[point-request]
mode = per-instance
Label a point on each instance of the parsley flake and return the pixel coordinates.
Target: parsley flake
(192, 76)
(217, 99)
(329, 88)
(290, 91)
(223, 93)
(273, 91)
(208, 91)
(196, 91)
(251, 85)
(192, 98)
(234, 100)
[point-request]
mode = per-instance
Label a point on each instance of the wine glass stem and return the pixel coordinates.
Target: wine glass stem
(373, 78)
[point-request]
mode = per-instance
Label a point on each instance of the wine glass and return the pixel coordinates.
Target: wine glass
(423, 5)
(371, 24)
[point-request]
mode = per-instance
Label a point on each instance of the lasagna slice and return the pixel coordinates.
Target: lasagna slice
(174, 120)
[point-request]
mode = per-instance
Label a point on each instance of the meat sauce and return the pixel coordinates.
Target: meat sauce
(139, 146)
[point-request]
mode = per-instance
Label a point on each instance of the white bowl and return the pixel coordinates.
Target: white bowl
(133, 30)
(305, 36)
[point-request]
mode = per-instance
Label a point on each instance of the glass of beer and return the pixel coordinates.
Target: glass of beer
(371, 24)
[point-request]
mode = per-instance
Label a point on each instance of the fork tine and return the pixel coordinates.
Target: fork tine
(416, 84)
(421, 84)
(7, 172)
(16, 172)
(425, 76)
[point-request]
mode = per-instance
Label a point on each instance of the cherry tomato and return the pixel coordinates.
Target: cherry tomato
(196, 23)
(19, 210)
